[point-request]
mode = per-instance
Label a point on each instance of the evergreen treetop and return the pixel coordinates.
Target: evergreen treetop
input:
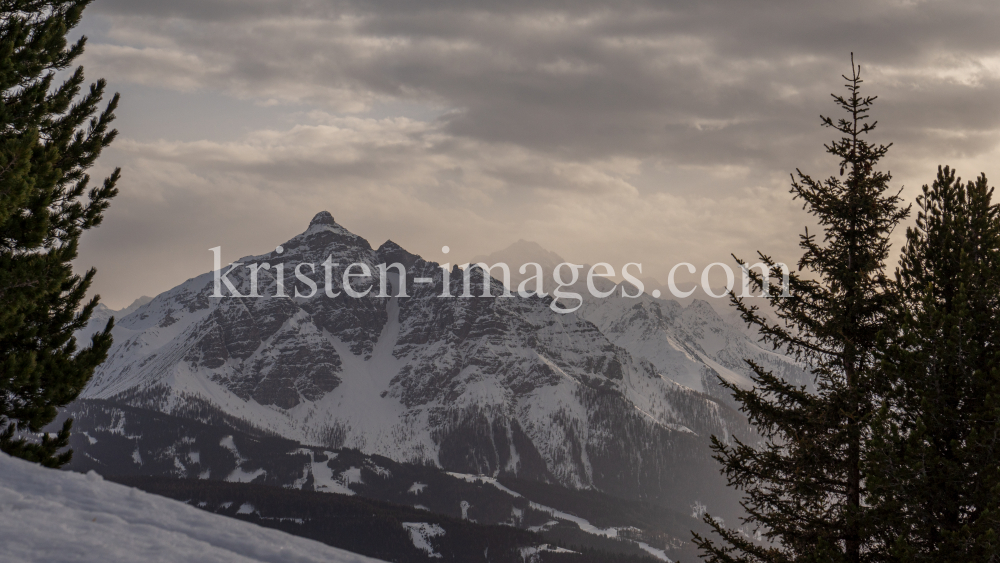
(803, 488)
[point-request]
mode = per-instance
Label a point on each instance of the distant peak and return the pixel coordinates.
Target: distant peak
(322, 218)
(521, 243)
(521, 252)
(135, 305)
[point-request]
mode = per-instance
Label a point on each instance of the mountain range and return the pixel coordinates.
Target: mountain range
(619, 397)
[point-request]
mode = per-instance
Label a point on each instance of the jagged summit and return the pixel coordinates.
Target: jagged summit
(323, 218)
(322, 232)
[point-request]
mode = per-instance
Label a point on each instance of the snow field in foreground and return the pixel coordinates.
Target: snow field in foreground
(55, 516)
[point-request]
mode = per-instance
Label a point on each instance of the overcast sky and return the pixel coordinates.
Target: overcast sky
(655, 132)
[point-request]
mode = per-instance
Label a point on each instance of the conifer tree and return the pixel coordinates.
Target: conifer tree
(803, 486)
(49, 136)
(934, 467)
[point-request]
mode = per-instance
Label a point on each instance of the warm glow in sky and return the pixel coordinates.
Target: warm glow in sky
(654, 132)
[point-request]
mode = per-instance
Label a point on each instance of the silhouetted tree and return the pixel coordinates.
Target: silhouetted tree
(803, 487)
(934, 468)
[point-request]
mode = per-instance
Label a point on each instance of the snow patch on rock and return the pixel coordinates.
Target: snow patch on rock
(421, 534)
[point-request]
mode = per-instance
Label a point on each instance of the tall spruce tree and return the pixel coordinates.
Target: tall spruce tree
(934, 468)
(803, 486)
(49, 136)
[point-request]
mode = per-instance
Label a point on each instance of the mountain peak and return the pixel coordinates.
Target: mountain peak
(323, 218)
(522, 252)
(135, 305)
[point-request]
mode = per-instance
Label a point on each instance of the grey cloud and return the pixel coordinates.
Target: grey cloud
(185, 197)
(580, 78)
(678, 120)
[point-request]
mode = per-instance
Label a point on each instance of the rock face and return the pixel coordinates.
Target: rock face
(614, 397)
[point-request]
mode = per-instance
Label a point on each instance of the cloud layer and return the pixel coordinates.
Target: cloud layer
(650, 131)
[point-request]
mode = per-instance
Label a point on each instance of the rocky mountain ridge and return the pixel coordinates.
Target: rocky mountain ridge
(616, 397)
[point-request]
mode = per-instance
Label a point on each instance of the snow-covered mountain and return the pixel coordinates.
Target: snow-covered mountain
(99, 318)
(611, 397)
(692, 346)
(54, 516)
(691, 341)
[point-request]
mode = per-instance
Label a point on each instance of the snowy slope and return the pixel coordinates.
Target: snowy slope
(53, 516)
(691, 345)
(690, 341)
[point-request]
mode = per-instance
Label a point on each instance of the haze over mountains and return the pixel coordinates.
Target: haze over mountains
(525, 252)
(619, 397)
